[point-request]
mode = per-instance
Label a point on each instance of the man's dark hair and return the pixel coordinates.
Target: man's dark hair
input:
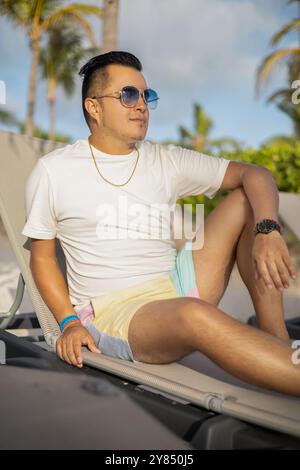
(94, 71)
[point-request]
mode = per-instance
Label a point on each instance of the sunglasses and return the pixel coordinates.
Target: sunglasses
(130, 95)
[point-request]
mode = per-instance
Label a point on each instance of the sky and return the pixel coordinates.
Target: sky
(192, 51)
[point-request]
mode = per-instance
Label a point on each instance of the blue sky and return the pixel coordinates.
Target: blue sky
(204, 51)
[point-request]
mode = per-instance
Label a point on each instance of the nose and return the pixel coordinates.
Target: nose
(141, 105)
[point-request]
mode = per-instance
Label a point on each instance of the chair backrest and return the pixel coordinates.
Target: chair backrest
(18, 155)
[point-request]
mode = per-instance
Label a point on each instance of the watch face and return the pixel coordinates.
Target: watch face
(266, 226)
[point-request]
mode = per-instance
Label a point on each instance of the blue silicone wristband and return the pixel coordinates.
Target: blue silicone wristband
(67, 320)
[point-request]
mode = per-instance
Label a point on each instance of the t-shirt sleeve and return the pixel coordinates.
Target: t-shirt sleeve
(197, 173)
(39, 205)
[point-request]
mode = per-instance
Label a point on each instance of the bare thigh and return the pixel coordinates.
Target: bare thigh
(158, 331)
(213, 263)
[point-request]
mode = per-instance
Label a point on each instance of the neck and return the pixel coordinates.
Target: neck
(112, 147)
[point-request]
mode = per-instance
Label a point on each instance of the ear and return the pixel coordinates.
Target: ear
(93, 108)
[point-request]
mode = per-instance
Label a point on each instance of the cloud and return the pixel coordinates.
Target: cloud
(192, 50)
(197, 42)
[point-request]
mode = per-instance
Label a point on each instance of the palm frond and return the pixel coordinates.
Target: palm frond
(73, 15)
(203, 123)
(17, 12)
(185, 134)
(61, 56)
(283, 94)
(293, 1)
(291, 111)
(271, 60)
(293, 25)
(75, 8)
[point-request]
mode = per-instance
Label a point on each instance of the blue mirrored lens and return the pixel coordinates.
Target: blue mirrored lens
(131, 95)
(150, 95)
(151, 98)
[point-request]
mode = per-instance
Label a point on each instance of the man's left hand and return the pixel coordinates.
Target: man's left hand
(272, 261)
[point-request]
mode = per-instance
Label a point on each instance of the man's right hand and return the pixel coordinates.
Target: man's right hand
(68, 345)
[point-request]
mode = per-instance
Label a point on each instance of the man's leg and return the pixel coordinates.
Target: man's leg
(268, 303)
(165, 330)
(228, 237)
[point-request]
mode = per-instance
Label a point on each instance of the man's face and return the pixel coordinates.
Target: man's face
(117, 120)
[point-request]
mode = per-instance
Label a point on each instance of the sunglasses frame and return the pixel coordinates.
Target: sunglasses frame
(120, 97)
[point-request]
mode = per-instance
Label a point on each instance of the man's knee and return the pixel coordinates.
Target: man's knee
(192, 308)
(239, 193)
(241, 197)
(192, 314)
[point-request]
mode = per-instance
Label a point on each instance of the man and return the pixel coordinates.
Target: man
(135, 297)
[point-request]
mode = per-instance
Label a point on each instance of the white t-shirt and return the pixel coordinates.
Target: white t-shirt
(109, 242)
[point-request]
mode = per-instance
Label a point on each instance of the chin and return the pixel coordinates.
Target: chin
(139, 136)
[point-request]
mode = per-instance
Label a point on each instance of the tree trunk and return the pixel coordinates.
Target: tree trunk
(296, 133)
(35, 47)
(110, 25)
(198, 143)
(51, 103)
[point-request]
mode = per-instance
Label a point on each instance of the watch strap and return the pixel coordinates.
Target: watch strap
(269, 224)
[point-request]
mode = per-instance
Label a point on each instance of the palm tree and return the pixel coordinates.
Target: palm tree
(36, 17)
(110, 28)
(283, 97)
(59, 62)
(199, 140)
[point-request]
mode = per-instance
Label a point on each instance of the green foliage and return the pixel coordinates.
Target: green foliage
(44, 134)
(8, 118)
(200, 139)
(61, 56)
(282, 159)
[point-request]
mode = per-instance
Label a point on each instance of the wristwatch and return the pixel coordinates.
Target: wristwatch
(267, 226)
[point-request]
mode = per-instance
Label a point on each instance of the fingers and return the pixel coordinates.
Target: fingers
(65, 352)
(290, 266)
(71, 345)
(90, 343)
(273, 264)
(69, 351)
(78, 352)
(283, 273)
(264, 274)
(275, 274)
(256, 271)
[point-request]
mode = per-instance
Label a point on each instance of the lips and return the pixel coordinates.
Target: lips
(139, 120)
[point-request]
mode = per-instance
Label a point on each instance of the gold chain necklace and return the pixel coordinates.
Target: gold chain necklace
(123, 184)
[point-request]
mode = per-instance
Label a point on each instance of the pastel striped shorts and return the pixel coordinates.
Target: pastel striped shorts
(107, 317)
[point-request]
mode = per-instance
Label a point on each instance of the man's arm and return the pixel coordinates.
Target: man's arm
(53, 289)
(258, 184)
(49, 278)
(270, 254)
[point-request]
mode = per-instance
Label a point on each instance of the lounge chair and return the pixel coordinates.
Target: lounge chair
(193, 380)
